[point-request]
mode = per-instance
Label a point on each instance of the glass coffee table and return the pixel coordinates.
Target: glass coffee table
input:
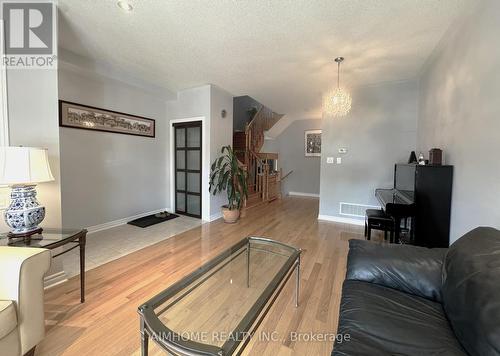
(218, 307)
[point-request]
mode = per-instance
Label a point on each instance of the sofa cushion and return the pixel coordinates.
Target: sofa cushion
(8, 317)
(384, 321)
(410, 269)
(471, 290)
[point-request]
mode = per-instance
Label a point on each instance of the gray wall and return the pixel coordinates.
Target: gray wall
(378, 132)
(459, 111)
(33, 121)
(109, 176)
(221, 134)
(191, 103)
(290, 146)
(207, 101)
(241, 105)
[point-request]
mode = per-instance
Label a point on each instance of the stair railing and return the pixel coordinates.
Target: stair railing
(258, 172)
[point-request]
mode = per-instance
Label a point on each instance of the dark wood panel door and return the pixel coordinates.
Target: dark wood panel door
(188, 159)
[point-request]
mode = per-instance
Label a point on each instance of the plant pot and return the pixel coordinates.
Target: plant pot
(230, 216)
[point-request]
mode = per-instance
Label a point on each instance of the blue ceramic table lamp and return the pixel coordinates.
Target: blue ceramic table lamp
(22, 168)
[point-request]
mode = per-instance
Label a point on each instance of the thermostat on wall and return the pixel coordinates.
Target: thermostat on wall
(343, 150)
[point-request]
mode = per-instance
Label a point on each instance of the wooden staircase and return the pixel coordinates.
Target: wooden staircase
(264, 177)
(239, 145)
(254, 199)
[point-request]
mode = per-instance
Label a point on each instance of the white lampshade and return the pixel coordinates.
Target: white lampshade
(24, 165)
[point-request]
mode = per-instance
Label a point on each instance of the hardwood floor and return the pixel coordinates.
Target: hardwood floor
(108, 324)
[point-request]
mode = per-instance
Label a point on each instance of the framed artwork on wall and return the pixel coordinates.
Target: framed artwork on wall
(91, 118)
(312, 143)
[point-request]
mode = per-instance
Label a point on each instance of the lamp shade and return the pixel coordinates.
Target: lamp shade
(24, 165)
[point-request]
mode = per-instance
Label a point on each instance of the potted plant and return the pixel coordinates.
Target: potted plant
(227, 175)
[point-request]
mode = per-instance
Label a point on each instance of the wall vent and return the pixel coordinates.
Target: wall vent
(355, 210)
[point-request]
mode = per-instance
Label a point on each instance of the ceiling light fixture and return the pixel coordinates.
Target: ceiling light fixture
(338, 102)
(125, 6)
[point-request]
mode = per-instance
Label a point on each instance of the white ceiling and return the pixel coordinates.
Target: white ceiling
(279, 52)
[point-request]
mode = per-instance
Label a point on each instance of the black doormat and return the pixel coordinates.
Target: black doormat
(152, 219)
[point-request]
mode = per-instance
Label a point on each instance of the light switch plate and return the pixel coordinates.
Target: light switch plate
(339, 160)
(329, 160)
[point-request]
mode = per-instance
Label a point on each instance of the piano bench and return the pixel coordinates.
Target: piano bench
(378, 220)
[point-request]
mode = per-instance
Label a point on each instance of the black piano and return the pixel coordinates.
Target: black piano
(422, 193)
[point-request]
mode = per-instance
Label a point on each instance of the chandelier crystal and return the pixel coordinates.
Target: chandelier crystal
(337, 102)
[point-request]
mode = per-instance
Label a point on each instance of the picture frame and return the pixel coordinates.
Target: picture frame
(85, 117)
(312, 143)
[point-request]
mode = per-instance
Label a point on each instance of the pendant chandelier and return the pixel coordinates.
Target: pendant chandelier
(338, 102)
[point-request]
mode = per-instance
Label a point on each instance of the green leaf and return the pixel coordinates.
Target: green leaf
(229, 193)
(226, 180)
(237, 196)
(227, 175)
(224, 167)
(220, 181)
(243, 185)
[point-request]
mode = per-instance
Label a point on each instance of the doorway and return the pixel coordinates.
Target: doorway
(188, 167)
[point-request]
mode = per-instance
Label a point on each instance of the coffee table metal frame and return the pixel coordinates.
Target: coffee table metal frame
(152, 327)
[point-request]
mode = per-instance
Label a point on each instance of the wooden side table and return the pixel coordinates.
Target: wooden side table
(52, 239)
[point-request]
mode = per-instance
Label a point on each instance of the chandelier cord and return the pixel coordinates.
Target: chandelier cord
(337, 102)
(338, 74)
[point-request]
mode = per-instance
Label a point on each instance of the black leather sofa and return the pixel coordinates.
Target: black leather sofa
(408, 300)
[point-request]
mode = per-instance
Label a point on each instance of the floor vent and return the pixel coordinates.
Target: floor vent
(355, 210)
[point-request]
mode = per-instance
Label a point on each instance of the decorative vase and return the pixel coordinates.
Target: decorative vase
(24, 212)
(230, 216)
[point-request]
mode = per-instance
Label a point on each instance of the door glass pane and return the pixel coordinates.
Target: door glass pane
(193, 136)
(181, 202)
(193, 182)
(193, 204)
(180, 137)
(181, 181)
(181, 160)
(193, 160)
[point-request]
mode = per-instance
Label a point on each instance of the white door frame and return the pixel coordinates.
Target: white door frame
(205, 165)
(4, 114)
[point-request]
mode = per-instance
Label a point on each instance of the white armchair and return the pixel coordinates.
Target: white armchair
(22, 320)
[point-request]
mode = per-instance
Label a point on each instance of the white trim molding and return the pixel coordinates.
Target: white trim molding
(4, 120)
(215, 216)
(340, 219)
(54, 279)
(302, 194)
(119, 222)
(4, 112)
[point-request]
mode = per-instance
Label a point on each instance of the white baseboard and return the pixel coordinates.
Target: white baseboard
(215, 216)
(301, 194)
(119, 222)
(341, 219)
(54, 279)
